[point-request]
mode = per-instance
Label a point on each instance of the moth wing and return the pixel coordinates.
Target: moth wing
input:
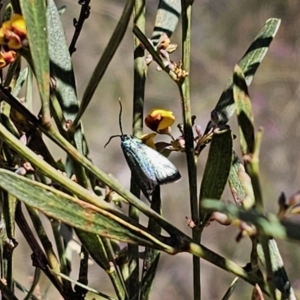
(165, 172)
(138, 161)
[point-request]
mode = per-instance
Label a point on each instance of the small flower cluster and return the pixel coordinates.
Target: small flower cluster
(164, 49)
(160, 121)
(12, 37)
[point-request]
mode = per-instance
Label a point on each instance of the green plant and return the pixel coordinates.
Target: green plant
(30, 174)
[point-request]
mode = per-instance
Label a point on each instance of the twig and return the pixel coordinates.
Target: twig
(84, 14)
(184, 87)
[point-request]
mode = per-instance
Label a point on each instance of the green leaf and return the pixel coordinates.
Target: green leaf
(240, 183)
(75, 212)
(216, 170)
(61, 64)
(244, 111)
(167, 16)
(281, 279)
(34, 13)
(249, 63)
(62, 73)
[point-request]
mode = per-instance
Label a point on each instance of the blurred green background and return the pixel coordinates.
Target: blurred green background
(222, 31)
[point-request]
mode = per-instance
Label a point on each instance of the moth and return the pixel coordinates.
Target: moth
(149, 168)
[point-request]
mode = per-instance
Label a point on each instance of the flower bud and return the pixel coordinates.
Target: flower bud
(160, 120)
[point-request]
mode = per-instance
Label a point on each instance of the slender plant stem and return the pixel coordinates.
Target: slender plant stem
(83, 273)
(137, 129)
(84, 14)
(228, 265)
(253, 169)
(189, 139)
(151, 256)
(141, 36)
(9, 208)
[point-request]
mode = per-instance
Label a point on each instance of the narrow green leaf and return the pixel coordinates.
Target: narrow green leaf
(60, 64)
(62, 72)
(236, 186)
(281, 279)
(167, 16)
(94, 245)
(244, 111)
(216, 170)
(75, 212)
(34, 13)
(240, 183)
(249, 63)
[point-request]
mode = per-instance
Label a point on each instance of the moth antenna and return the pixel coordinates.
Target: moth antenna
(113, 136)
(120, 117)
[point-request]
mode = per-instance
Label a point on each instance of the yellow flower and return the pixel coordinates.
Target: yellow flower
(147, 139)
(18, 25)
(160, 120)
(13, 32)
(3, 29)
